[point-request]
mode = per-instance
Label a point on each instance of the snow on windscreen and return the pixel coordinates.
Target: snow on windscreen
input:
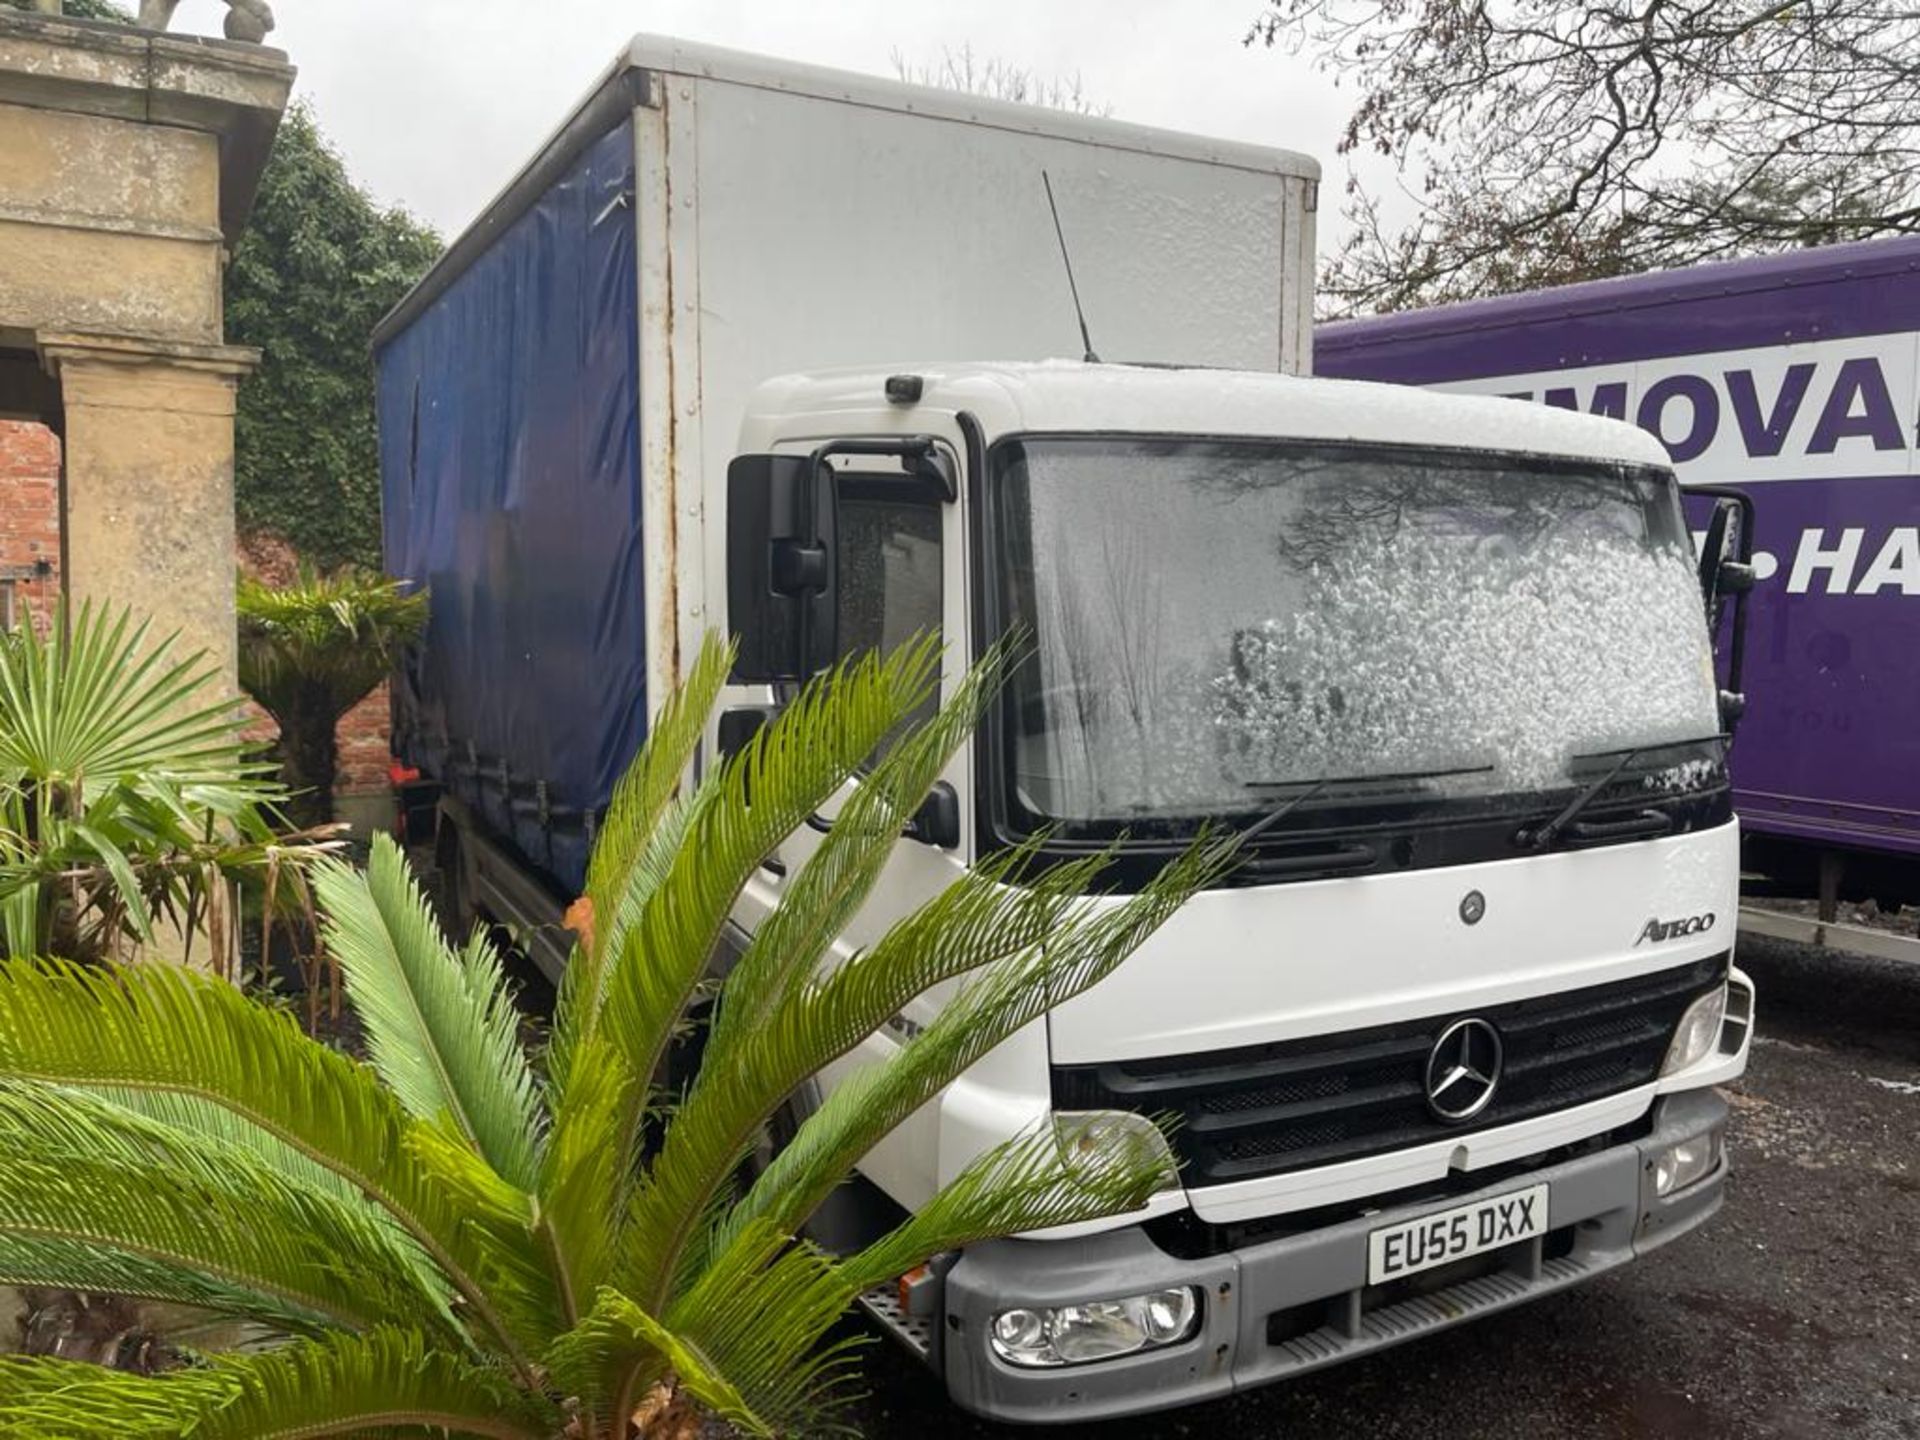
(1209, 617)
(1458, 655)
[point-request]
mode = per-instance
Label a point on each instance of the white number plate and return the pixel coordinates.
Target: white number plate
(1416, 1245)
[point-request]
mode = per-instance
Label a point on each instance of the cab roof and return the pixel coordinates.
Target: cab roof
(1075, 396)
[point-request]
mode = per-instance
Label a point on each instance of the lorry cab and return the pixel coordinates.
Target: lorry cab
(1445, 664)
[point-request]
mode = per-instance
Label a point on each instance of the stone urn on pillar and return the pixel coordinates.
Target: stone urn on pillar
(247, 20)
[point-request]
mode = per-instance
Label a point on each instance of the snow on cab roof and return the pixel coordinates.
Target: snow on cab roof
(1073, 395)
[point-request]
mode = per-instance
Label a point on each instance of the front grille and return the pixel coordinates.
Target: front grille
(1268, 1109)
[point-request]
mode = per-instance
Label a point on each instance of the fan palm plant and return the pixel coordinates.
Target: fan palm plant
(310, 652)
(449, 1240)
(126, 798)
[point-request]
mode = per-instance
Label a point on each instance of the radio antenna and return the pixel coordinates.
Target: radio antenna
(1067, 259)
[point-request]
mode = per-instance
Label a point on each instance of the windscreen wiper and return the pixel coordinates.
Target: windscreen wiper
(1315, 787)
(1539, 838)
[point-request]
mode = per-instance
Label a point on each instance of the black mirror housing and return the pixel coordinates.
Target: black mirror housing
(782, 589)
(1726, 580)
(1713, 550)
(937, 821)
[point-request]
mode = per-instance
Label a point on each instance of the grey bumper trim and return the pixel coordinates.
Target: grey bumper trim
(1602, 1212)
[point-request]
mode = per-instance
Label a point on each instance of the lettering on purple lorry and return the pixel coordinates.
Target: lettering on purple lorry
(1753, 415)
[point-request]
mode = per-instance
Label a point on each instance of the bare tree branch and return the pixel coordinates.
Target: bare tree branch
(960, 70)
(1539, 142)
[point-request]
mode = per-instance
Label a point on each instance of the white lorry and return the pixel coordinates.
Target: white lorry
(1446, 1040)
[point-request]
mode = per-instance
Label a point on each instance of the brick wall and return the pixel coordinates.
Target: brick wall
(29, 520)
(365, 747)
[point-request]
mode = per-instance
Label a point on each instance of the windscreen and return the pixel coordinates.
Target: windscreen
(1212, 618)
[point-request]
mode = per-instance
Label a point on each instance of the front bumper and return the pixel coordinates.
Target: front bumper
(1282, 1307)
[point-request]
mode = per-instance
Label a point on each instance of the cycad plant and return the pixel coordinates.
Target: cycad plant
(451, 1240)
(310, 652)
(126, 797)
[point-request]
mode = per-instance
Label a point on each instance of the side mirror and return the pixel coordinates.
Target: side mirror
(1726, 576)
(1713, 549)
(937, 821)
(1725, 555)
(782, 587)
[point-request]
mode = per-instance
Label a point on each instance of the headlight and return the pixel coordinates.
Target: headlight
(1046, 1338)
(1680, 1165)
(1699, 1031)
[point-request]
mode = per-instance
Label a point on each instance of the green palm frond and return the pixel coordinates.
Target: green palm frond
(746, 1337)
(448, 1261)
(97, 701)
(182, 1110)
(1077, 953)
(773, 1031)
(23, 900)
(817, 904)
(441, 1025)
(125, 786)
(755, 1316)
(383, 1382)
(745, 1076)
(767, 1343)
(84, 1171)
(96, 1269)
(159, 1028)
(617, 1344)
(790, 768)
(41, 1398)
(620, 877)
(1033, 1182)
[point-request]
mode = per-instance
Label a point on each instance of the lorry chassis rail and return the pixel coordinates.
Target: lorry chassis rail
(1830, 935)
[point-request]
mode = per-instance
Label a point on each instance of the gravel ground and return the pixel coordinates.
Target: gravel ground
(1794, 1313)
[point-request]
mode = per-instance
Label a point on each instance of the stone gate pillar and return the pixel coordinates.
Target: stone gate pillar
(129, 162)
(149, 448)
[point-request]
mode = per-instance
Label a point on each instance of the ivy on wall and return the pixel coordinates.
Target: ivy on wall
(318, 266)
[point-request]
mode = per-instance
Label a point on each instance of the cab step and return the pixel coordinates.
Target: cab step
(882, 1302)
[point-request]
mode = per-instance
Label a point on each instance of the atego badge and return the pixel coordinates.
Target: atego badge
(1656, 930)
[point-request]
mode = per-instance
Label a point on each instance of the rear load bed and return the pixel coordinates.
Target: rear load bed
(556, 397)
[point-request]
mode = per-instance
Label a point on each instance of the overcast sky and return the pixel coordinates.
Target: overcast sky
(435, 103)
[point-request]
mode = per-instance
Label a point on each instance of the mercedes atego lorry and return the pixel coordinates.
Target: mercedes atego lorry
(1447, 1039)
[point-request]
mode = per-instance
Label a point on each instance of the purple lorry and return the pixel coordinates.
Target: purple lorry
(1796, 379)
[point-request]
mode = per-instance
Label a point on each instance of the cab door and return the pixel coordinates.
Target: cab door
(895, 571)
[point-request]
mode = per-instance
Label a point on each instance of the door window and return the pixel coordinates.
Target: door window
(890, 570)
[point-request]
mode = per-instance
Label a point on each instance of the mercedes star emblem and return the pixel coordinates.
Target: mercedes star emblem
(1472, 907)
(1463, 1070)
